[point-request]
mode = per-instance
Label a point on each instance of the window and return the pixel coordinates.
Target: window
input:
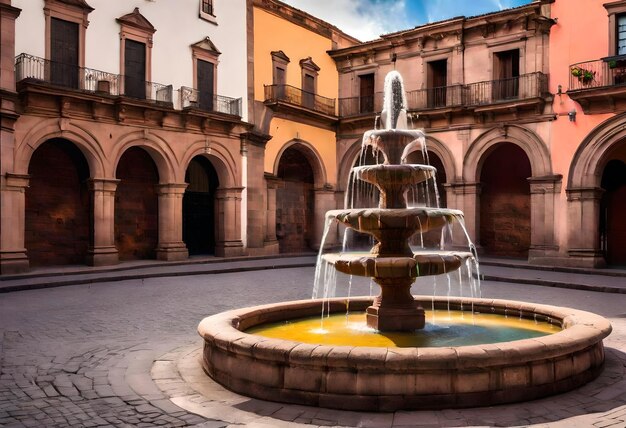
(207, 11)
(135, 54)
(205, 59)
(207, 7)
(621, 34)
(64, 53)
(506, 75)
(366, 93)
(66, 25)
(617, 27)
(309, 82)
(437, 82)
(279, 73)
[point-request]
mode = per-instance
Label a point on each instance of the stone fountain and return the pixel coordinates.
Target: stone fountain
(370, 378)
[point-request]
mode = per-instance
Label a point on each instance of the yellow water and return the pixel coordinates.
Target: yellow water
(443, 328)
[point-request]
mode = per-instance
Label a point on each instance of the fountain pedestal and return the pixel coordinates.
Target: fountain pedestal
(395, 309)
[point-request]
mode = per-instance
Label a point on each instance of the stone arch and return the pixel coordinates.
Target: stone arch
(443, 153)
(158, 149)
(591, 156)
(219, 156)
(311, 155)
(347, 162)
(585, 193)
(65, 129)
(534, 147)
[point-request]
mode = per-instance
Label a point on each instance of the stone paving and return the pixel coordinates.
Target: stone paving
(124, 353)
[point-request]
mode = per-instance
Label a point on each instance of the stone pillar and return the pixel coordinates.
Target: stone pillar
(102, 250)
(253, 148)
(12, 223)
(12, 186)
(465, 197)
(171, 246)
(583, 215)
(543, 193)
(324, 201)
(227, 216)
(271, 242)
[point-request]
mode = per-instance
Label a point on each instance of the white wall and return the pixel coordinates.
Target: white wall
(178, 26)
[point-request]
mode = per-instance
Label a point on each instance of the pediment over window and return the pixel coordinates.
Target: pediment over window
(82, 4)
(280, 55)
(137, 20)
(206, 45)
(308, 64)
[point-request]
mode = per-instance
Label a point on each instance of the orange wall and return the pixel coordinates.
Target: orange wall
(581, 34)
(272, 33)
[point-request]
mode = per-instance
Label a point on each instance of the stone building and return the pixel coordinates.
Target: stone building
(99, 162)
(478, 86)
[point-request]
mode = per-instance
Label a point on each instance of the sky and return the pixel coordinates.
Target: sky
(368, 19)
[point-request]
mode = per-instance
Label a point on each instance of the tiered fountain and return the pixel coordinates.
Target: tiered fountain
(358, 376)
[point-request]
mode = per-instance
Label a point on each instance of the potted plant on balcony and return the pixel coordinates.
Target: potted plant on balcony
(583, 75)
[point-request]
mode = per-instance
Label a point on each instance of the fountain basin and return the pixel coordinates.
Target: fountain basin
(389, 379)
(422, 263)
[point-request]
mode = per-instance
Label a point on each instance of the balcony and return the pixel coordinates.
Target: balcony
(294, 102)
(599, 86)
(192, 98)
(29, 67)
(488, 97)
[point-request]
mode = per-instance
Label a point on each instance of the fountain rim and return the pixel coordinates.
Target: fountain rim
(580, 329)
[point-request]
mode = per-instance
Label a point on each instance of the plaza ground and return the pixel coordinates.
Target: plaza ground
(119, 347)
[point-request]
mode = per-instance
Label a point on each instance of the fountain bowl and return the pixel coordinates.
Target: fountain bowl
(390, 379)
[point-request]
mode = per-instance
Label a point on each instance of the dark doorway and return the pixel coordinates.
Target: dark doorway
(199, 207)
(134, 69)
(295, 203)
(58, 217)
(612, 209)
(428, 196)
(64, 53)
(505, 202)
(366, 93)
(206, 81)
(507, 74)
(437, 83)
(136, 206)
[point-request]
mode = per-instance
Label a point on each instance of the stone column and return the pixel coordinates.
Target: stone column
(171, 245)
(543, 192)
(227, 216)
(324, 201)
(271, 242)
(12, 223)
(465, 197)
(102, 250)
(583, 215)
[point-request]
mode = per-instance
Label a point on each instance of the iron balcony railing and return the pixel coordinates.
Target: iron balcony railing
(598, 74)
(190, 97)
(527, 86)
(355, 106)
(296, 96)
(66, 75)
(89, 80)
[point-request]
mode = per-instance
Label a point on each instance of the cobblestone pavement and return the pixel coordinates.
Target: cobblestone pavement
(124, 354)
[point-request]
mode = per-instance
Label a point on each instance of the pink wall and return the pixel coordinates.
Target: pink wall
(581, 34)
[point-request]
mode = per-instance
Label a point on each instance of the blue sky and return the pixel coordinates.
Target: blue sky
(367, 19)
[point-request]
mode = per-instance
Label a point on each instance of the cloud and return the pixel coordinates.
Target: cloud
(368, 19)
(363, 19)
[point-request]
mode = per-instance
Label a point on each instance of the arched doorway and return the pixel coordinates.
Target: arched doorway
(57, 227)
(295, 202)
(199, 206)
(505, 202)
(612, 209)
(136, 206)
